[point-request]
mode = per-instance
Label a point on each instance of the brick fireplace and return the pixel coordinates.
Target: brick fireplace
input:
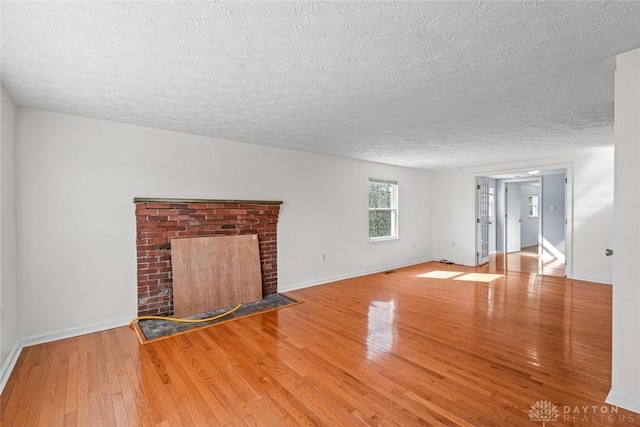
(160, 220)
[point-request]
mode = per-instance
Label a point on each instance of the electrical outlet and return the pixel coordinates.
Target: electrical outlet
(324, 257)
(453, 244)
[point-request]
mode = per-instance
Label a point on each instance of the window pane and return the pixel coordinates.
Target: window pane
(383, 204)
(380, 195)
(533, 205)
(380, 224)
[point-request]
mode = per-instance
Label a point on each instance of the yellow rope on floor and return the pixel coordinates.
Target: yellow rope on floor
(173, 319)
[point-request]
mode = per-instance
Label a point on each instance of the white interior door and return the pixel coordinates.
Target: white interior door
(483, 216)
(514, 222)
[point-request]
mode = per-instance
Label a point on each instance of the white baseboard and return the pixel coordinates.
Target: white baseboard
(10, 363)
(458, 262)
(302, 285)
(626, 402)
(600, 280)
(74, 332)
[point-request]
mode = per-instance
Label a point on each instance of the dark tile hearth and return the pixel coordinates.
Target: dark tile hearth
(153, 329)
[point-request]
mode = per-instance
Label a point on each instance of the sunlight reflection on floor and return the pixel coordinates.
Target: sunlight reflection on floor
(437, 274)
(479, 277)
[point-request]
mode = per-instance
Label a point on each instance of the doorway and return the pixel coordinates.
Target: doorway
(532, 222)
(523, 216)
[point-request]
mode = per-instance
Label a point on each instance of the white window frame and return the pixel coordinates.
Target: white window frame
(533, 206)
(393, 209)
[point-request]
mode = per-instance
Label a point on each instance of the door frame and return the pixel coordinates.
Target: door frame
(505, 234)
(522, 172)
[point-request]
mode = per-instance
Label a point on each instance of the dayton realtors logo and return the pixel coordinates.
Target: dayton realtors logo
(544, 411)
(596, 414)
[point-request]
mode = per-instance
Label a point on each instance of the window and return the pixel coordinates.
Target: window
(383, 209)
(533, 206)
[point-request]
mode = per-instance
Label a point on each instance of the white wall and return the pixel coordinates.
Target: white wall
(77, 178)
(593, 217)
(454, 216)
(9, 335)
(592, 232)
(625, 389)
(552, 209)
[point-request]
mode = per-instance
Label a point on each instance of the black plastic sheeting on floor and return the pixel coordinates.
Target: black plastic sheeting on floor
(153, 329)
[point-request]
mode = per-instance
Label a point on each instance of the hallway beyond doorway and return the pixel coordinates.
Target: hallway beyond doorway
(526, 261)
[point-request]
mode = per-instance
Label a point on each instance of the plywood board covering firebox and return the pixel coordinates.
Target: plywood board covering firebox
(214, 272)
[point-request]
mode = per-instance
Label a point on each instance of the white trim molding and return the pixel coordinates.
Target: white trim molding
(626, 402)
(9, 364)
(11, 361)
(324, 281)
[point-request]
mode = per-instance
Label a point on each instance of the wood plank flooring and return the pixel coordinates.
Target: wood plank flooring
(526, 261)
(385, 349)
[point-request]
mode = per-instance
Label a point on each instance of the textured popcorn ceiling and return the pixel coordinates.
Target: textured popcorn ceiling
(432, 85)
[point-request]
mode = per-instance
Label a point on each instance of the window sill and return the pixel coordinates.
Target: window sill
(382, 239)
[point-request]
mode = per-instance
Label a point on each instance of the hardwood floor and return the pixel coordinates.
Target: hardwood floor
(384, 349)
(526, 261)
